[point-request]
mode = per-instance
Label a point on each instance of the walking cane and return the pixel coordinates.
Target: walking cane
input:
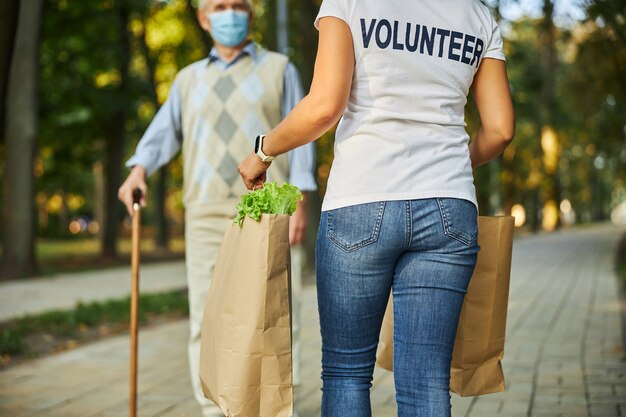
(134, 299)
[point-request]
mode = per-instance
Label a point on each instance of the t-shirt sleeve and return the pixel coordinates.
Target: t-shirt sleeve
(331, 8)
(496, 48)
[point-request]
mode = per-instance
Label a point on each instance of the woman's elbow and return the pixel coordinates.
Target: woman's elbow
(326, 111)
(508, 125)
(328, 116)
(507, 133)
(503, 129)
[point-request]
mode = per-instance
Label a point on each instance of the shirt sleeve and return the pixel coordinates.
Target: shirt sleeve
(331, 8)
(495, 49)
(301, 159)
(162, 139)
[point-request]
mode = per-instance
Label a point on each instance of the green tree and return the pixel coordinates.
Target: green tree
(18, 257)
(593, 92)
(86, 96)
(99, 83)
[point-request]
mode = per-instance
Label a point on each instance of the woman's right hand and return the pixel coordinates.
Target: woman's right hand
(136, 179)
(253, 171)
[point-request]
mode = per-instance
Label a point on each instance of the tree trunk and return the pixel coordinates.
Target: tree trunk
(115, 143)
(549, 61)
(270, 36)
(508, 180)
(495, 185)
(8, 26)
(18, 257)
(536, 201)
(535, 210)
(304, 29)
(98, 196)
(483, 191)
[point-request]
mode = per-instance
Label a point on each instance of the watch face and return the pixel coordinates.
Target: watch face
(257, 142)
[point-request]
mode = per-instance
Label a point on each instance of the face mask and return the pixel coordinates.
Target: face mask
(230, 27)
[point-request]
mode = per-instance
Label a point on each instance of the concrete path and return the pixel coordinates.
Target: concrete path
(563, 358)
(64, 291)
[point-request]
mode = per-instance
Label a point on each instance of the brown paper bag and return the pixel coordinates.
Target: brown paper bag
(479, 344)
(245, 354)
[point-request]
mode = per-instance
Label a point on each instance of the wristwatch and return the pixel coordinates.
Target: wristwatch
(258, 149)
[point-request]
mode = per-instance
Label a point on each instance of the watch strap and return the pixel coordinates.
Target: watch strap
(259, 150)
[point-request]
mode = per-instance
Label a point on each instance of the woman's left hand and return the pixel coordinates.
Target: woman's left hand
(253, 171)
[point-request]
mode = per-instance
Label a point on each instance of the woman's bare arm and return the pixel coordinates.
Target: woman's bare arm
(321, 108)
(493, 100)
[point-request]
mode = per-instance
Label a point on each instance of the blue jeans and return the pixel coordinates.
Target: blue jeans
(425, 252)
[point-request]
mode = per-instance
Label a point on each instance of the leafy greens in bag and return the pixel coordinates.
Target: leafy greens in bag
(271, 199)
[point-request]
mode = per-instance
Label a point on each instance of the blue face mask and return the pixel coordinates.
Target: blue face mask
(230, 27)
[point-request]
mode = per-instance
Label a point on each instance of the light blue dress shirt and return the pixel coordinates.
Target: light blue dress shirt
(162, 140)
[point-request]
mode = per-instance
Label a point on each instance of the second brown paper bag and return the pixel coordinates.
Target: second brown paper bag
(245, 358)
(479, 344)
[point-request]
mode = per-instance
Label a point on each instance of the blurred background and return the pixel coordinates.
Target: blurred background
(81, 80)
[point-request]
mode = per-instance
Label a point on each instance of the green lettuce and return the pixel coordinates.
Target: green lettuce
(271, 199)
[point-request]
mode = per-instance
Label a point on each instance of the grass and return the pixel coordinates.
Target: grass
(35, 335)
(51, 249)
(81, 254)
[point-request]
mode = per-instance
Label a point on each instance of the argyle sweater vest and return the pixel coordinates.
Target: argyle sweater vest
(222, 113)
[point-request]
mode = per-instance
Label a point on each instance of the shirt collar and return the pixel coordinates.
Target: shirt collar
(250, 49)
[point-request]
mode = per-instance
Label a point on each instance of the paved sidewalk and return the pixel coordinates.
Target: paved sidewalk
(64, 291)
(563, 355)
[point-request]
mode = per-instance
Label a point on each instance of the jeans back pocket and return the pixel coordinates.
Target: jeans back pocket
(354, 227)
(459, 219)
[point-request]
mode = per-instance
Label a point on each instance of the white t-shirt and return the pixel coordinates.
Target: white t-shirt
(402, 135)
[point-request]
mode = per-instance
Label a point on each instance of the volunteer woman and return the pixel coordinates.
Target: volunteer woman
(400, 211)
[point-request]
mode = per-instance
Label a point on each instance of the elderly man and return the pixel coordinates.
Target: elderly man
(215, 109)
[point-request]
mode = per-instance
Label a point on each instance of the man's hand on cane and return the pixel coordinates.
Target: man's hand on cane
(136, 179)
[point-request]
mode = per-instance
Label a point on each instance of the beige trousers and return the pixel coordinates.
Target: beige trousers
(204, 229)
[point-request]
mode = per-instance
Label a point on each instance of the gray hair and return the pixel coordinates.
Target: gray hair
(203, 3)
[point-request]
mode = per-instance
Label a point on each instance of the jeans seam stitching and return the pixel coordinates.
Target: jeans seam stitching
(446, 226)
(409, 224)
